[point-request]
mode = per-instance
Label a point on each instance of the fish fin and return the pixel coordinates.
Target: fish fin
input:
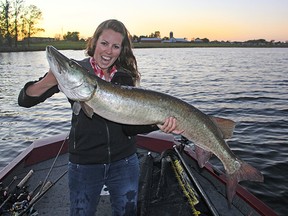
(202, 155)
(76, 108)
(245, 172)
(87, 109)
(226, 126)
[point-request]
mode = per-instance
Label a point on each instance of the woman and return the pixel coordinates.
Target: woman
(101, 152)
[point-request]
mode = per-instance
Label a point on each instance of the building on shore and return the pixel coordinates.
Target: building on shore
(176, 40)
(171, 39)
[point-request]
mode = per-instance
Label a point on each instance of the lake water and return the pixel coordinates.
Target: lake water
(248, 85)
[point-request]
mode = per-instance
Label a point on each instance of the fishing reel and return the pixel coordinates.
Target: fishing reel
(182, 142)
(12, 202)
(15, 200)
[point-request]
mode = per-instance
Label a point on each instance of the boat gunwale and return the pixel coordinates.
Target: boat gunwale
(40, 150)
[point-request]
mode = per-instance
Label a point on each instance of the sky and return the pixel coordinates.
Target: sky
(228, 20)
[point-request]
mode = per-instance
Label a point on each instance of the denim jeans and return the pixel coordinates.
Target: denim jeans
(120, 177)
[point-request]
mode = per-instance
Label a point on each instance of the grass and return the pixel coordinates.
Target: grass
(61, 45)
(177, 45)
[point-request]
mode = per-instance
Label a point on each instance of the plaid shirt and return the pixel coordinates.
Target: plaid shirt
(98, 71)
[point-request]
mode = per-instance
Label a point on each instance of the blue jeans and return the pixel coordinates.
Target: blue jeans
(120, 177)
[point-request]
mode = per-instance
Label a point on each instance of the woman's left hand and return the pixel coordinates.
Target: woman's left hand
(170, 126)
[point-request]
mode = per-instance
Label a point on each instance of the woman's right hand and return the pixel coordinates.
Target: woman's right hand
(170, 126)
(42, 85)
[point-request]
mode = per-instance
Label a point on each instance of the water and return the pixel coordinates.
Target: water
(247, 85)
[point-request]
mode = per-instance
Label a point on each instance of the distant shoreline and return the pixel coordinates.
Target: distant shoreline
(80, 45)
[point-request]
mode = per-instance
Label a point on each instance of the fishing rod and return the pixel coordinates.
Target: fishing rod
(12, 181)
(40, 194)
(4, 191)
(197, 184)
(34, 190)
(185, 184)
(53, 164)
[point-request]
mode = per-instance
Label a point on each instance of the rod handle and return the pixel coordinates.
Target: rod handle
(25, 179)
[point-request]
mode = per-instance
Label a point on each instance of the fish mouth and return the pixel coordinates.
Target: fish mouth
(61, 64)
(55, 56)
(69, 75)
(52, 51)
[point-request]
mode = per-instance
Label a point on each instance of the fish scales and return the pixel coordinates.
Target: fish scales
(138, 106)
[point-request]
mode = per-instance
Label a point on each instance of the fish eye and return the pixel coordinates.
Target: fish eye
(70, 62)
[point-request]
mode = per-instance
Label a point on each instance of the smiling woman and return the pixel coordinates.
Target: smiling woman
(107, 50)
(111, 48)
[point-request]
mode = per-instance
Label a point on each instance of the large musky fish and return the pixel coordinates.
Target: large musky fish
(136, 106)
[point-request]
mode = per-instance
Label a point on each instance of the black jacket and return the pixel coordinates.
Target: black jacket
(95, 140)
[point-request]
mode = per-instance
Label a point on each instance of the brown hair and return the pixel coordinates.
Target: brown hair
(126, 59)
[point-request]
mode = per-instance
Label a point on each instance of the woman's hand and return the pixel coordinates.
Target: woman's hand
(170, 126)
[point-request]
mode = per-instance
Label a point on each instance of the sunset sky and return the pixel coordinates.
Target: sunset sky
(233, 20)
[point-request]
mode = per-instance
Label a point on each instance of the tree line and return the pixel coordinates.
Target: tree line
(18, 21)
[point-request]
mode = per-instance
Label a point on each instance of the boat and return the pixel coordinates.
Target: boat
(171, 183)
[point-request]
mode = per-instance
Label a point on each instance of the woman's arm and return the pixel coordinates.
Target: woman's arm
(35, 92)
(169, 126)
(40, 87)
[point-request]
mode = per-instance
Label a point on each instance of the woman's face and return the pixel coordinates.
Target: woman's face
(108, 48)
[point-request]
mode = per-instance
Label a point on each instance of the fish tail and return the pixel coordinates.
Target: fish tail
(245, 172)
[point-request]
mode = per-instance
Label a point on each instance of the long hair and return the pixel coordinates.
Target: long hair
(126, 59)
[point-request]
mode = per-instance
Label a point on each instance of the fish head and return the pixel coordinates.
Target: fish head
(73, 79)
